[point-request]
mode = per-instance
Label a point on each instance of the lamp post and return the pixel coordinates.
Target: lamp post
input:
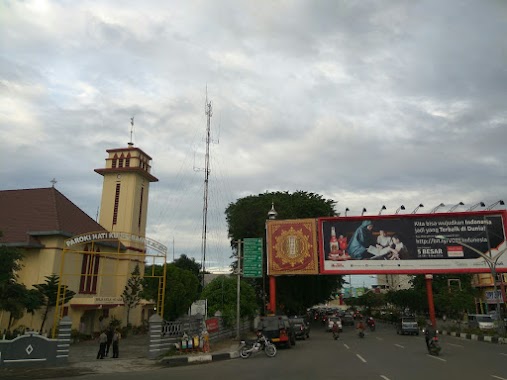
(417, 208)
(491, 261)
(455, 206)
(272, 214)
(482, 204)
(362, 212)
(490, 207)
(434, 209)
(381, 209)
(399, 208)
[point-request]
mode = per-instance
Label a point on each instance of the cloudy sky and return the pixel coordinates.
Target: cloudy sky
(368, 103)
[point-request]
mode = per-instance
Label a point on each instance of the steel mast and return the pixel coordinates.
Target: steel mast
(209, 113)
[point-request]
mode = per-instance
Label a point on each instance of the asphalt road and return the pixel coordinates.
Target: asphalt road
(381, 355)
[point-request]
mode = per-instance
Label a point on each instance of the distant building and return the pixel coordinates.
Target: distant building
(93, 259)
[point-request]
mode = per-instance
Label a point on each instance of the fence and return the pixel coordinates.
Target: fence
(163, 335)
(32, 349)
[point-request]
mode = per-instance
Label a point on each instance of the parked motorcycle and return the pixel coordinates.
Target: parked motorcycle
(434, 347)
(261, 344)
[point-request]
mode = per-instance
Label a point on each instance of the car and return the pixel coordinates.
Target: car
(301, 327)
(278, 329)
(331, 322)
(348, 319)
(481, 321)
(407, 325)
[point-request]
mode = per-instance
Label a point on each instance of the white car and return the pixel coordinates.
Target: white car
(331, 321)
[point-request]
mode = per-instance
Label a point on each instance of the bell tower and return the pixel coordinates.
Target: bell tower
(127, 177)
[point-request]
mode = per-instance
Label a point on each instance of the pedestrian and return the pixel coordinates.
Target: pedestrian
(109, 333)
(116, 343)
(102, 345)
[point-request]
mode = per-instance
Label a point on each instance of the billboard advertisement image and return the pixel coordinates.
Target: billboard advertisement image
(411, 244)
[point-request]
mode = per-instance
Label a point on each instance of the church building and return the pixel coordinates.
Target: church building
(93, 260)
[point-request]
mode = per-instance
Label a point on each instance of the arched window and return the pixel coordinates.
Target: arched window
(115, 158)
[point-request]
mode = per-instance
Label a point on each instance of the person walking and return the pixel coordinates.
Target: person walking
(102, 345)
(116, 343)
(110, 334)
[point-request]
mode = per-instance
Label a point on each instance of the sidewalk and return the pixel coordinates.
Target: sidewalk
(133, 357)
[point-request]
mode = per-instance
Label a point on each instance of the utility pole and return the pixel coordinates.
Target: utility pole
(238, 289)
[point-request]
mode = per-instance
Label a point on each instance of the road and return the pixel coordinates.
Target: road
(381, 355)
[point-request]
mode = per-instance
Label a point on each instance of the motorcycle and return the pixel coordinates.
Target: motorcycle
(371, 323)
(360, 329)
(261, 344)
(434, 347)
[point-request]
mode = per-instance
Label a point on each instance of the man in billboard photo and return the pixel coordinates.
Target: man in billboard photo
(361, 241)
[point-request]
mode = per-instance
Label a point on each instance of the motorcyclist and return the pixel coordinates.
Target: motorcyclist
(370, 321)
(360, 327)
(335, 330)
(429, 333)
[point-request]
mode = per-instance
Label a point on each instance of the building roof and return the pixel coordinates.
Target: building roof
(28, 213)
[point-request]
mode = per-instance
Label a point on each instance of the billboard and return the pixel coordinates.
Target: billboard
(292, 247)
(412, 244)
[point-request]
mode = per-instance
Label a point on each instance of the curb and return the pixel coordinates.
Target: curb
(197, 359)
(479, 338)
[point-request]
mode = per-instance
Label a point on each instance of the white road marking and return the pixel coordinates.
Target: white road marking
(399, 345)
(501, 353)
(360, 357)
(384, 377)
(379, 338)
(347, 347)
(455, 345)
(436, 357)
(498, 377)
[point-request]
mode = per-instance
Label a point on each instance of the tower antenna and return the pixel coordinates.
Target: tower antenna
(131, 130)
(209, 112)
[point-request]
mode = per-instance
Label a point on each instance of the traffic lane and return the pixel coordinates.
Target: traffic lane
(458, 357)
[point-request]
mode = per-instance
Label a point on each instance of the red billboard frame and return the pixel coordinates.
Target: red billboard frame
(422, 251)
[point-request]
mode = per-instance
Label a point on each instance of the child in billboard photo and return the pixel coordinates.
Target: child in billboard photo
(383, 246)
(398, 251)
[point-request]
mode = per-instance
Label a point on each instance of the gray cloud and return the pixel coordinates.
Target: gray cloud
(366, 103)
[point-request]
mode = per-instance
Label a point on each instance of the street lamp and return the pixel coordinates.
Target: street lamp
(491, 261)
(455, 206)
(346, 211)
(362, 212)
(383, 208)
(490, 207)
(400, 208)
(417, 208)
(434, 209)
(482, 204)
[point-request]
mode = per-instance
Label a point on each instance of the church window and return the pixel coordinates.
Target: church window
(116, 204)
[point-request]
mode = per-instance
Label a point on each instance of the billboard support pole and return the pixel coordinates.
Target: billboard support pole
(431, 305)
(272, 294)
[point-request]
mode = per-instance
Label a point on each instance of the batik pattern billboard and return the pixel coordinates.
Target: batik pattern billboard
(411, 244)
(292, 247)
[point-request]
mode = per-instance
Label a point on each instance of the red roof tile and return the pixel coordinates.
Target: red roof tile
(40, 210)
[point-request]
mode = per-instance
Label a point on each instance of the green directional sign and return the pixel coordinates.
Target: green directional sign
(252, 257)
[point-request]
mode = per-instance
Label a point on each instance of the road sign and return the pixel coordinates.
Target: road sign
(252, 257)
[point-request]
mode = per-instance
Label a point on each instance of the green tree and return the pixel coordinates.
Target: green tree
(246, 218)
(182, 288)
(49, 291)
(453, 294)
(187, 263)
(15, 298)
(221, 294)
(132, 293)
